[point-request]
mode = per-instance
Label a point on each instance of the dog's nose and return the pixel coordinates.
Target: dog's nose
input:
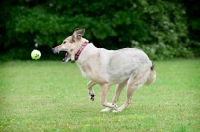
(53, 49)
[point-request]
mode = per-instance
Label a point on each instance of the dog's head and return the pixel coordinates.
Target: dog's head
(71, 45)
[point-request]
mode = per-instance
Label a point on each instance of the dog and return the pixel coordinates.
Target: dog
(128, 66)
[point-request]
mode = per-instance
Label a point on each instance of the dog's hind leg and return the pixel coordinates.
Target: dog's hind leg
(90, 91)
(104, 93)
(118, 90)
(133, 83)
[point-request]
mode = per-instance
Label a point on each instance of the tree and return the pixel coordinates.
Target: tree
(158, 27)
(193, 9)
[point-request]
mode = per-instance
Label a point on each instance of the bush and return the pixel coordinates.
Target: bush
(168, 30)
(158, 27)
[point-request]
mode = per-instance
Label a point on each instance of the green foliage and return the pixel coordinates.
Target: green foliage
(168, 30)
(158, 27)
(193, 9)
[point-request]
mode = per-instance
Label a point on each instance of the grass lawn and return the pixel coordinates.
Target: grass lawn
(49, 96)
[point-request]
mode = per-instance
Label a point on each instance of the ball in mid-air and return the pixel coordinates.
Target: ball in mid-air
(35, 54)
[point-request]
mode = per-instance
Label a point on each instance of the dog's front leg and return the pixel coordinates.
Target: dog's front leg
(104, 93)
(90, 91)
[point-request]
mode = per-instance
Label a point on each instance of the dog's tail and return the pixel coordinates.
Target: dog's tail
(152, 76)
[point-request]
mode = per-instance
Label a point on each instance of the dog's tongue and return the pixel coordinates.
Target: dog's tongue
(66, 56)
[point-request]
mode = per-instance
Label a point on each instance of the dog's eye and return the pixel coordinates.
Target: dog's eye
(64, 42)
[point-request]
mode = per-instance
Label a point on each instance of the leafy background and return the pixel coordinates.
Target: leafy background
(163, 29)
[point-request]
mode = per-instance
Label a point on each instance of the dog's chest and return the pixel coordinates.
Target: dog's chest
(86, 69)
(93, 71)
(83, 70)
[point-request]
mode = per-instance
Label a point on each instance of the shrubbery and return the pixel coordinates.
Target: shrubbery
(157, 27)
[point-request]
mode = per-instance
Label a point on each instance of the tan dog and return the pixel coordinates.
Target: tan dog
(128, 66)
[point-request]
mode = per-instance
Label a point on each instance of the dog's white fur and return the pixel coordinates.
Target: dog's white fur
(128, 66)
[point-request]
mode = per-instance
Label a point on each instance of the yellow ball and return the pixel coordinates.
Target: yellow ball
(35, 54)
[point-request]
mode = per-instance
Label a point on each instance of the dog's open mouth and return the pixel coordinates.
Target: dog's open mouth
(67, 57)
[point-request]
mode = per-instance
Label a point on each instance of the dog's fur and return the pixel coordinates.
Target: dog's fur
(128, 66)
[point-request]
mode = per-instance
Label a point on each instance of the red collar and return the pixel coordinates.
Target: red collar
(80, 50)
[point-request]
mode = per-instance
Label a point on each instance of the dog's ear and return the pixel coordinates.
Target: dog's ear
(80, 33)
(72, 40)
(76, 29)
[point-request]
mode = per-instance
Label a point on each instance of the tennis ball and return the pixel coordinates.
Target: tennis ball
(35, 54)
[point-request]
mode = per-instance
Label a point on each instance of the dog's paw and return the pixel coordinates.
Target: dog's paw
(106, 109)
(92, 97)
(115, 109)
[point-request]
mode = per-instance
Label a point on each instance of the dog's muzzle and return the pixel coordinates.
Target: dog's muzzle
(67, 55)
(55, 50)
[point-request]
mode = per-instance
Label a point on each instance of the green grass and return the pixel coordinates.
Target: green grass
(49, 96)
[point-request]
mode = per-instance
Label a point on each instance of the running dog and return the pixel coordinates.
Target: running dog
(128, 66)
